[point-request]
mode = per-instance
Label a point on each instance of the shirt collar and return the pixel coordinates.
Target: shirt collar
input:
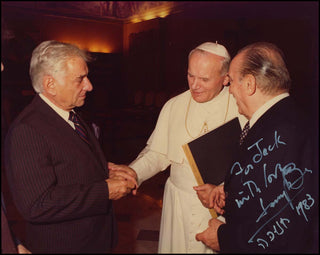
(266, 107)
(64, 114)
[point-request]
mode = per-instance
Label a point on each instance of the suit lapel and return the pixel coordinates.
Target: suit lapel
(60, 126)
(94, 142)
(281, 108)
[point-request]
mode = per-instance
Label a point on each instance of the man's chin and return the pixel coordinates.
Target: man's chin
(80, 102)
(199, 99)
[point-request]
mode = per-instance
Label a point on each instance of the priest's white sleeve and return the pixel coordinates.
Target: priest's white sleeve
(149, 163)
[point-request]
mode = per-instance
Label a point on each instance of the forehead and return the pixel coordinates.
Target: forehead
(204, 62)
(76, 64)
(75, 60)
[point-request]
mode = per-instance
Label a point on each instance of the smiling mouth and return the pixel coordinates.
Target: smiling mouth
(196, 93)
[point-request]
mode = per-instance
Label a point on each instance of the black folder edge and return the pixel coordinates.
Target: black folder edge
(196, 172)
(194, 166)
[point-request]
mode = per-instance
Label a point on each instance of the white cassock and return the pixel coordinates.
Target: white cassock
(181, 120)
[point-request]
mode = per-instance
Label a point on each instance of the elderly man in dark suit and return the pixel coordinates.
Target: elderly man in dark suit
(271, 191)
(56, 170)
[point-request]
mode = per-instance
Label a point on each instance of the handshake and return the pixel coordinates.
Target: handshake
(122, 180)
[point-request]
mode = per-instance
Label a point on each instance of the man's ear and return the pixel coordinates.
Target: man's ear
(226, 81)
(250, 83)
(49, 85)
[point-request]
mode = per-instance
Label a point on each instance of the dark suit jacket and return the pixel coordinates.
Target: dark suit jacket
(272, 189)
(58, 184)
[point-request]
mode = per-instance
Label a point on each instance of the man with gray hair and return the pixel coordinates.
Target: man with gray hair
(56, 169)
(204, 107)
(272, 201)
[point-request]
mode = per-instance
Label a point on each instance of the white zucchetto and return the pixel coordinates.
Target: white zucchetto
(214, 48)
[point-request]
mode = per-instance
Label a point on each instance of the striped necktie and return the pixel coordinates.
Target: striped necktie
(244, 132)
(80, 129)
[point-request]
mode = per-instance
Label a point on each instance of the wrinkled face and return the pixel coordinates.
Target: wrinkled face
(72, 85)
(204, 76)
(237, 88)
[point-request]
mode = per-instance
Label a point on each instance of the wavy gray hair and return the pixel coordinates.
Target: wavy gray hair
(51, 57)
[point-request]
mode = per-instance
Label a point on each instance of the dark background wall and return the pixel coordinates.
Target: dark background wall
(160, 54)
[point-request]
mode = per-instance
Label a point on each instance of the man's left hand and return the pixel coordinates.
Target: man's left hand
(210, 236)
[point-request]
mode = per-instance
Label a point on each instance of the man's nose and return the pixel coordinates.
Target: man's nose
(195, 83)
(88, 86)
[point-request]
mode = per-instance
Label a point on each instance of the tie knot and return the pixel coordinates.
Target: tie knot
(79, 127)
(73, 117)
(244, 132)
(246, 126)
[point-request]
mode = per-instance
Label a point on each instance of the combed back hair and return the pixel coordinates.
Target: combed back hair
(225, 61)
(265, 61)
(49, 58)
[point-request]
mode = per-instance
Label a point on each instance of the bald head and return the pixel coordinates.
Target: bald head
(265, 61)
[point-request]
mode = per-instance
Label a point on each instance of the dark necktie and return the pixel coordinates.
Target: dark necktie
(80, 129)
(244, 132)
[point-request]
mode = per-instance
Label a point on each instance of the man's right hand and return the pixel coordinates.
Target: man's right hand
(211, 196)
(119, 187)
(125, 172)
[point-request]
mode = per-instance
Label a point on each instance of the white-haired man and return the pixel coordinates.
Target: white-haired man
(205, 106)
(56, 169)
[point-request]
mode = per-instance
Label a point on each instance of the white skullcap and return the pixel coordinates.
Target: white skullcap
(214, 48)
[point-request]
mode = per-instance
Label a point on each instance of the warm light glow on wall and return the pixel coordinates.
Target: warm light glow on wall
(91, 46)
(152, 14)
(149, 16)
(164, 14)
(135, 20)
(99, 48)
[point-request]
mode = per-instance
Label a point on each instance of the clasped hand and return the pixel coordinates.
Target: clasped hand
(122, 180)
(210, 236)
(211, 196)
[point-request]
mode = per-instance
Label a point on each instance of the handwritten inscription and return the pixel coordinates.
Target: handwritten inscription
(289, 168)
(253, 188)
(263, 152)
(257, 157)
(305, 204)
(295, 184)
(291, 180)
(277, 229)
(280, 226)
